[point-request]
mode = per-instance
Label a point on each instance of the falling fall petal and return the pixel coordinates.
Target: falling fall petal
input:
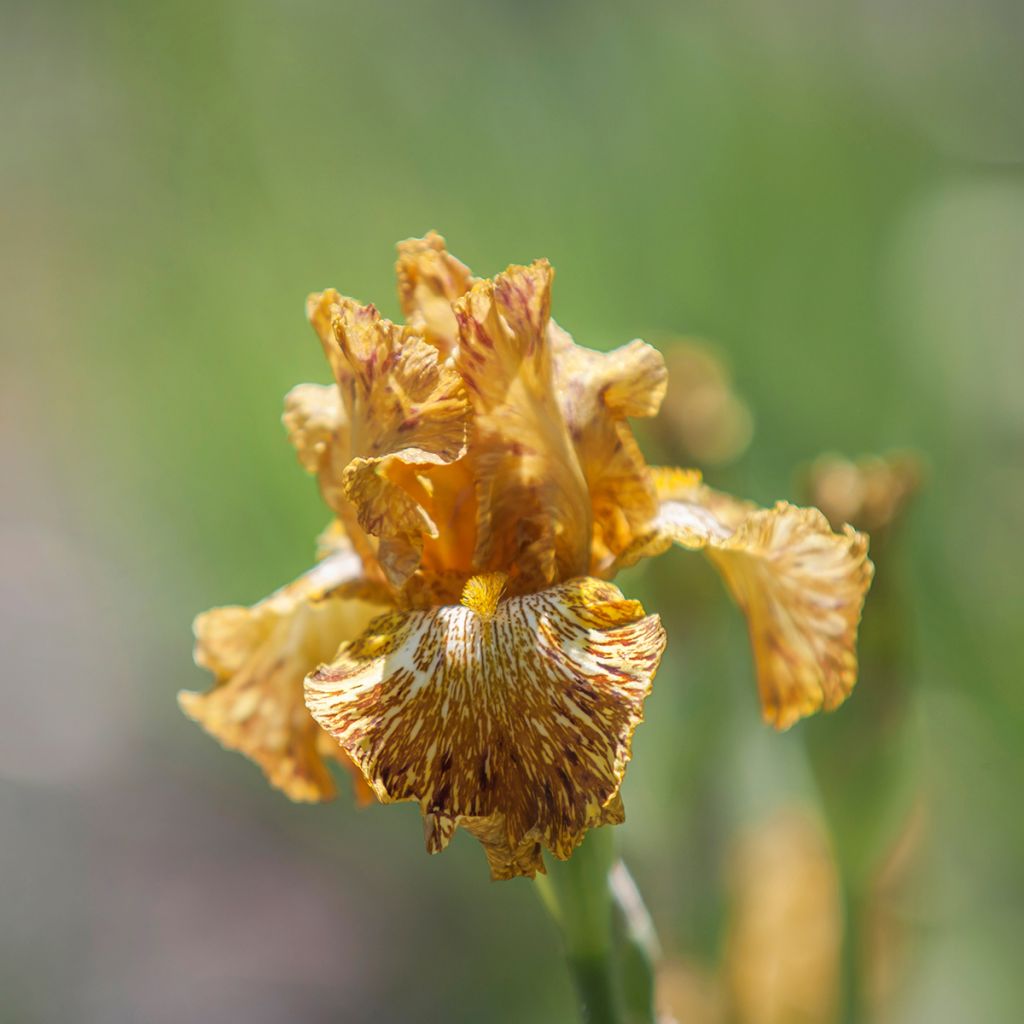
(510, 717)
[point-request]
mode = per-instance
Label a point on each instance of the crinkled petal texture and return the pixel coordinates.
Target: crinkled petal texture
(801, 586)
(430, 279)
(408, 412)
(597, 391)
(259, 656)
(316, 423)
(511, 718)
(533, 509)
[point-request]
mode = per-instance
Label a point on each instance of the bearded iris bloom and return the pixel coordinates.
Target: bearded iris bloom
(486, 488)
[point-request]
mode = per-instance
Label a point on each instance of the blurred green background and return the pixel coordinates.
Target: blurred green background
(830, 193)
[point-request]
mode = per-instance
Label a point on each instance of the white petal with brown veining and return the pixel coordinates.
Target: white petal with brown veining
(513, 719)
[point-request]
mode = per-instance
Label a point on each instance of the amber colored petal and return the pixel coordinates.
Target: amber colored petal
(430, 279)
(597, 392)
(533, 510)
(388, 512)
(259, 657)
(322, 309)
(315, 421)
(317, 425)
(511, 717)
(407, 408)
(332, 540)
(801, 586)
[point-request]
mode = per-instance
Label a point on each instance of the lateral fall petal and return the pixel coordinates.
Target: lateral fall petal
(259, 656)
(800, 585)
(511, 717)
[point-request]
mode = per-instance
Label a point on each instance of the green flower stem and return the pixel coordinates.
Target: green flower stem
(577, 894)
(609, 938)
(852, 964)
(639, 947)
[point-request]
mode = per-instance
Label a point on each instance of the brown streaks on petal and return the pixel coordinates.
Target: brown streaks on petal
(430, 279)
(800, 585)
(597, 392)
(533, 510)
(409, 413)
(474, 717)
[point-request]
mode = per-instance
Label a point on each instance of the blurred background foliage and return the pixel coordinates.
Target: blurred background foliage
(830, 195)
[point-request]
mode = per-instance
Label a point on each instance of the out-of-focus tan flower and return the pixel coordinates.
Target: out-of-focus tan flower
(870, 493)
(781, 960)
(785, 934)
(688, 993)
(703, 420)
(482, 469)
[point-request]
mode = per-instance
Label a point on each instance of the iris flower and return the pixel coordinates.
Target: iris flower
(486, 488)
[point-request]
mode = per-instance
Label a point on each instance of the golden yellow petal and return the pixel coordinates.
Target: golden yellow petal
(687, 486)
(322, 308)
(533, 514)
(801, 586)
(515, 724)
(430, 279)
(388, 512)
(332, 540)
(315, 421)
(406, 408)
(259, 657)
(597, 391)
(675, 484)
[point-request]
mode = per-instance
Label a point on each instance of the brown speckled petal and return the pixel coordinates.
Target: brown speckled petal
(533, 509)
(430, 279)
(597, 391)
(510, 717)
(407, 409)
(801, 586)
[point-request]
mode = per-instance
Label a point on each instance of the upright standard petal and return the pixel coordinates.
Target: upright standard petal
(316, 423)
(533, 506)
(408, 412)
(510, 717)
(322, 309)
(430, 279)
(801, 586)
(597, 391)
(259, 657)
